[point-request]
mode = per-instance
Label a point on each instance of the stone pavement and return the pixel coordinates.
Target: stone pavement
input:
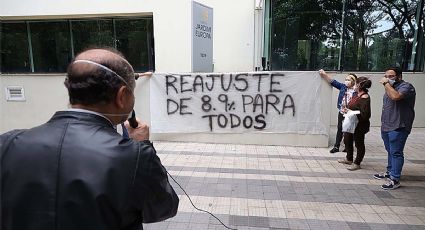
(281, 187)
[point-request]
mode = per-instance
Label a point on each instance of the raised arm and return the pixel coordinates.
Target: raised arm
(325, 75)
(146, 74)
(390, 91)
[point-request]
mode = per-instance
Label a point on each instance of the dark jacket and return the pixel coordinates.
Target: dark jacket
(77, 172)
(363, 105)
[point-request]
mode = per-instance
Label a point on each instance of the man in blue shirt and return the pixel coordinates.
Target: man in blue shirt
(396, 123)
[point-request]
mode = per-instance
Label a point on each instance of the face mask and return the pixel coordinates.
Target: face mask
(391, 81)
(347, 83)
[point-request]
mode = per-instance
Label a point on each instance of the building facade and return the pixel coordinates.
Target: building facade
(38, 40)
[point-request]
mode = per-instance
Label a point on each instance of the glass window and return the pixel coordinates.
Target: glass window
(134, 39)
(306, 34)
(51, 46)
(14, 48)
(377, 37)
(48, 46)
(89, 33)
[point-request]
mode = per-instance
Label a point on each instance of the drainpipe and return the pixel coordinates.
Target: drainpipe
(341, 39)
(258, 33)
(414, 64)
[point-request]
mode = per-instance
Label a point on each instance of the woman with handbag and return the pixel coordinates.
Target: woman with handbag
(361, 103)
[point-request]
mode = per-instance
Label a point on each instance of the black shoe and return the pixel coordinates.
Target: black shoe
(380, 176)
(392, 184)
(334, 150)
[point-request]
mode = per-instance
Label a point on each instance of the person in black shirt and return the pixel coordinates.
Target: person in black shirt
(76, 171)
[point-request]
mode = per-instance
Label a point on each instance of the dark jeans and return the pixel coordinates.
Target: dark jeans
(339, 133)
(359, 141)
(394, 142)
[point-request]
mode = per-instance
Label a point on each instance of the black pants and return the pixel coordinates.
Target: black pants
(338, 138)
(359, 142)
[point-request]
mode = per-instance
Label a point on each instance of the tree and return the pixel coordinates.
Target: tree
(321, 22)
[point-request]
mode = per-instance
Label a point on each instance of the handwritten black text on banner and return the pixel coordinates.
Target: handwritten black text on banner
(240, 102)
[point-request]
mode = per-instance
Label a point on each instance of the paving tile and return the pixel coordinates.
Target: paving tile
(379, 227)
(214, 227)
(358, 226)
(239, 220)
(155, 226)
(334, 225)
(178, 226)
(284, 187)
(200, 218)
(183, 217)
(298, 224)
(317, 224)
(278, 223)
(258, 221)
(225, 219)
(399, 227)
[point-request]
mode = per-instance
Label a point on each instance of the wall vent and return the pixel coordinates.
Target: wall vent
(15, 93)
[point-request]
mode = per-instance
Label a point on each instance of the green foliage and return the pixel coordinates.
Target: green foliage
(366, 44)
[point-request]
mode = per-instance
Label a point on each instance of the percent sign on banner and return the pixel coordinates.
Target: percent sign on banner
(235, 103)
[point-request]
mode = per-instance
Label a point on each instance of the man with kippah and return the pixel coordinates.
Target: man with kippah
(76, 171)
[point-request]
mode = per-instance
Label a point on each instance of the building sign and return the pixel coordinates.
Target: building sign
(278, 102)
(202, 38)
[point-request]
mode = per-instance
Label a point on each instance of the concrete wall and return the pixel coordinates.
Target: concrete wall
(233, 26)
(44, 95)
(47, 94)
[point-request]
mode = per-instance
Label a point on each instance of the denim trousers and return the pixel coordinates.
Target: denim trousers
(394, 142)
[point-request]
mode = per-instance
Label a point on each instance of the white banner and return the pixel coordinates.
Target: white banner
(275, 102)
